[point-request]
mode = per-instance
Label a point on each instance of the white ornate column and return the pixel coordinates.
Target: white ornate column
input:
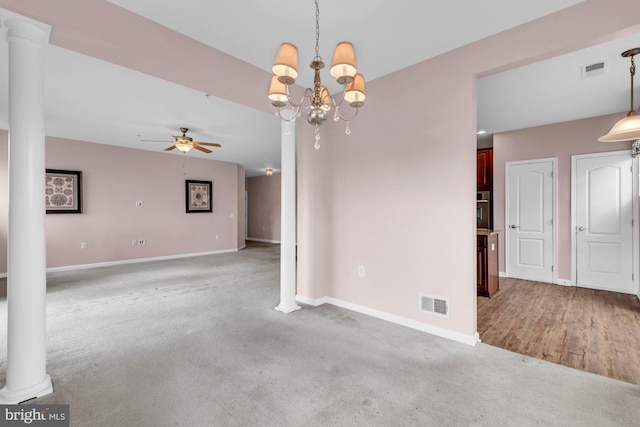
(288, 217)
(26, 270)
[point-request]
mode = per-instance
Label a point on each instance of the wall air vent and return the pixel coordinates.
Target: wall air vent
(595, 69)
(433, 305)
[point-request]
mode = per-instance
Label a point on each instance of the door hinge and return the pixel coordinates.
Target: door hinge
(552, 268)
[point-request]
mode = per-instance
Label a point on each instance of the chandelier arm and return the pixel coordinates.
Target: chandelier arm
(307, 94)
(346, 119)
(290, 119)
(632, 70)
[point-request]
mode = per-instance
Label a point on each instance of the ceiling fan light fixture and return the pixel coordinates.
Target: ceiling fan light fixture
(184, 147)
(628, 128)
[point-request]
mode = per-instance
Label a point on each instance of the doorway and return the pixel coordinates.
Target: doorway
(530, 219)
(604, 209)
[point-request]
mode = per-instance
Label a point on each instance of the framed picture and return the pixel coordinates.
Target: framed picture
(63, 191)
(198, 196)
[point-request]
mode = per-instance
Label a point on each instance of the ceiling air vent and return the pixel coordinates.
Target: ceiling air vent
(434, 305)
(592, 70)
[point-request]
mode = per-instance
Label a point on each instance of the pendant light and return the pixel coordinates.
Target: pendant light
(627, 128)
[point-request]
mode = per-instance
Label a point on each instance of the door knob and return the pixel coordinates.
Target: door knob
(514, 226)
(580, 228)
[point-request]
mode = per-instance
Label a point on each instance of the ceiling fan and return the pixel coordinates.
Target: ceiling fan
(185, 143)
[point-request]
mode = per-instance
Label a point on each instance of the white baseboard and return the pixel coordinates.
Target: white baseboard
(471, 340)
(563, 282)
(255, 239)
(132, 261)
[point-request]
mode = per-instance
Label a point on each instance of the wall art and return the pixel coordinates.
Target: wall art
(198, 195)
(63, 191)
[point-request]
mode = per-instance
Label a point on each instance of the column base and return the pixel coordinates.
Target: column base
(286, 309)
(11, 397)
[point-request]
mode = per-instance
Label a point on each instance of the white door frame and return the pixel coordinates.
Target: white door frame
(554, 210)
(634, 214)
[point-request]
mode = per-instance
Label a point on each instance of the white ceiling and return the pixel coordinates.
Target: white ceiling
(91, 100)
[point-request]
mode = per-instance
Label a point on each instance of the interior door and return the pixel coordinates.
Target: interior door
(603, 221)
(530, 211)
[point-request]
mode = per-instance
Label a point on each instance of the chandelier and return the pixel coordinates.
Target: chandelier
(628, 128)
(318, 100)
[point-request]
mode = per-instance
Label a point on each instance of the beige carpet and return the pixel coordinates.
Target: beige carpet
(196, 342)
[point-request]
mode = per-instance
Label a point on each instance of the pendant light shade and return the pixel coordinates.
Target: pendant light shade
(277, 92)
(355, 93)
(629, 127)
(285, 66)
(343, 66)
(624, 130)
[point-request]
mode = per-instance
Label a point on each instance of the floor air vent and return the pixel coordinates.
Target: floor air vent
(435, 306)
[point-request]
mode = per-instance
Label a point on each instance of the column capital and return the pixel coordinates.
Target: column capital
(22, 27)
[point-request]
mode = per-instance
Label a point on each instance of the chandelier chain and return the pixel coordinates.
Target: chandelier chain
(632, 70)
(317, 58)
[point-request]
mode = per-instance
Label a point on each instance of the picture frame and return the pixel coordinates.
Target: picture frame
(198, 196)
(63, 191)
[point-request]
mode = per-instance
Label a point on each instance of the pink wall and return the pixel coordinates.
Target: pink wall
(398, 194)
(559, 140)
(114, 178)
(264, 207)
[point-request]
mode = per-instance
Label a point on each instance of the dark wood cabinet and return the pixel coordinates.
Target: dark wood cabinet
(488, 264)
(485, 169)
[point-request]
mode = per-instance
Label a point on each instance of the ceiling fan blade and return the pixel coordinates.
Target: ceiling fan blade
(211, 144)
(170, 148)
(153, 140)
(204, 150)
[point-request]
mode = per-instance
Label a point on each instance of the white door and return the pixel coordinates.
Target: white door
(529, 220)
(603, 221)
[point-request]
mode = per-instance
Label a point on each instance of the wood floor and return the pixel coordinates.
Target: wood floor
(590, 330)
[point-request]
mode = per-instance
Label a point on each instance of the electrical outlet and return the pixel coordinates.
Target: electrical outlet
(361, 270)
(134, 242)
(217, 236)
(139, 204)
(84, 245)
(142, 242)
